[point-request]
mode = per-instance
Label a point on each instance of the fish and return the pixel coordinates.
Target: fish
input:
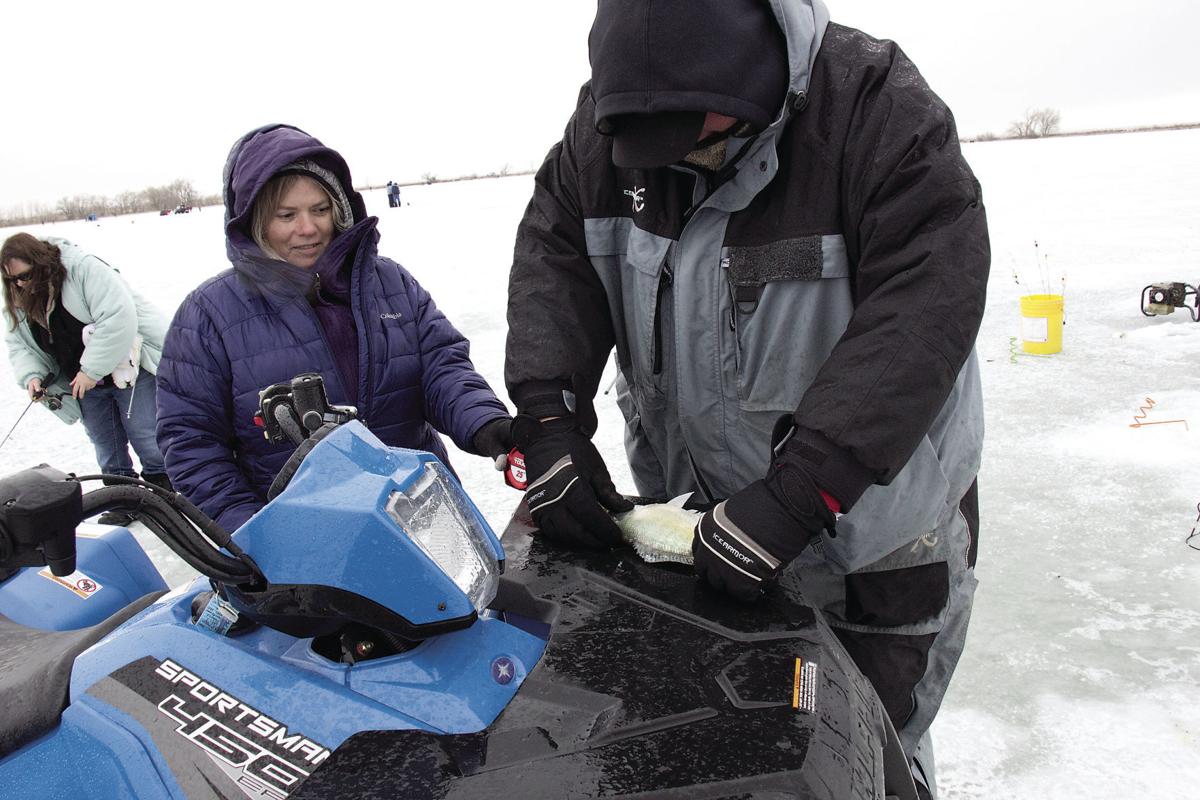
(659, 531)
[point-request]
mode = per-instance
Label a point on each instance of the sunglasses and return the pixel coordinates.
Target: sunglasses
(18, 279)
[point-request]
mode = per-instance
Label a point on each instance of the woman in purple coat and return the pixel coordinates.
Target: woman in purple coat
(308, 292)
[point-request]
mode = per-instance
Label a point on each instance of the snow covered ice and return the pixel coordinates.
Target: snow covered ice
(1081, 676)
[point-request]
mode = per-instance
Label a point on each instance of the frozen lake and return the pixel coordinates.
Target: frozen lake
(1081, 676)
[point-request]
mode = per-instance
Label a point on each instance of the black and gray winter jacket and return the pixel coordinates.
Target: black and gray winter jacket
(838, 272)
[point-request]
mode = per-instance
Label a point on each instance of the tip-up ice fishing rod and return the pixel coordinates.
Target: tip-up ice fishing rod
(53, 402)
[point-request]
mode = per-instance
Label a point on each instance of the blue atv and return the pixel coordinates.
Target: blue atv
(367, 635)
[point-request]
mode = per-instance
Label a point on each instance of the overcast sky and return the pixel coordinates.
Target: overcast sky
(104, 97)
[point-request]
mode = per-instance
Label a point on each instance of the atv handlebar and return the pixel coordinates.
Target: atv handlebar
(294, 410)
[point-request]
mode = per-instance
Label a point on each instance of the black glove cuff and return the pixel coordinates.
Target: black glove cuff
(528, 429)
(541, 399)
(831, 467)
(793, 487)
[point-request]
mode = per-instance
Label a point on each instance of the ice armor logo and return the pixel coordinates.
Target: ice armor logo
(733, 551)
(636, 195)
(260, 755)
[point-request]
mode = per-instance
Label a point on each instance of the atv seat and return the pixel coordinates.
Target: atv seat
(35, 673)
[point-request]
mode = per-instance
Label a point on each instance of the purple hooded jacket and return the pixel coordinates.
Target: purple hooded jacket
(252, 326)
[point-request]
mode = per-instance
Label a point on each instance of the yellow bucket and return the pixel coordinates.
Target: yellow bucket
(1041, 323)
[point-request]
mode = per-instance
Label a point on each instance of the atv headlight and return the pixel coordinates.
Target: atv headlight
(437, 516)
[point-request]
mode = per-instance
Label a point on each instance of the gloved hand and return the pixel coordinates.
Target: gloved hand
(494, 440)
(741, 545)
(569, 485)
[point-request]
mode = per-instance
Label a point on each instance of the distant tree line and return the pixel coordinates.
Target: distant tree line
(79, 206)
(1041, 122)
(1035, 124)
(503, 172)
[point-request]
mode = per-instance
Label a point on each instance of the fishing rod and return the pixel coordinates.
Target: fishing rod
(53, 402)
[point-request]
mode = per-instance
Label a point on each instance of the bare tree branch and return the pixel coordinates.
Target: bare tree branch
(1035, 124)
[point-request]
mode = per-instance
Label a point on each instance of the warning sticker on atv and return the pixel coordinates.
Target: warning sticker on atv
(804, 686)
(77, 582)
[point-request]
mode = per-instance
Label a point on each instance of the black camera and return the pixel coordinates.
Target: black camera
(295, 409)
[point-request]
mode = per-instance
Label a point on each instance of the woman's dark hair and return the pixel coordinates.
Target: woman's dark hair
(32, 297)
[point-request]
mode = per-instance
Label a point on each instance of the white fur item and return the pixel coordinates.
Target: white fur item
(124, 374)
(659, 532)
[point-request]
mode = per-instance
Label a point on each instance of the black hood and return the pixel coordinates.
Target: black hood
(661, 57)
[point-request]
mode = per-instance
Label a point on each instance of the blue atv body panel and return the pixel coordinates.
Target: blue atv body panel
(332, 527)
(87, 754)
(261, 708)
(112, 572)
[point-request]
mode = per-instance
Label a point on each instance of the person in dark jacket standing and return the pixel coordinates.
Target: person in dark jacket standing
(307, 292)
(769, 217)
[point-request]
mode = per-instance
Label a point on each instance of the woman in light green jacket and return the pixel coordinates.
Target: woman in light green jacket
(77, 333)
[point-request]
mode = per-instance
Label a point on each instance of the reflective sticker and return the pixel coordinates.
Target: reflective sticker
(804, 686)
(77, 582)
(503, 670)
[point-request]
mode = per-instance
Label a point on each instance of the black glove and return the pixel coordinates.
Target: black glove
(742, 544)
(494, 438)
(569, 485)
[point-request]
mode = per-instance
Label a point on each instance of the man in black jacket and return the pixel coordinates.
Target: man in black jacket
(769, 217)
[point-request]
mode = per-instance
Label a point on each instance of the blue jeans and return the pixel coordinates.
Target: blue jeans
(115, 418)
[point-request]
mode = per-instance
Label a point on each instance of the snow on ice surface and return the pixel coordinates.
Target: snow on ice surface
(1081, 672)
